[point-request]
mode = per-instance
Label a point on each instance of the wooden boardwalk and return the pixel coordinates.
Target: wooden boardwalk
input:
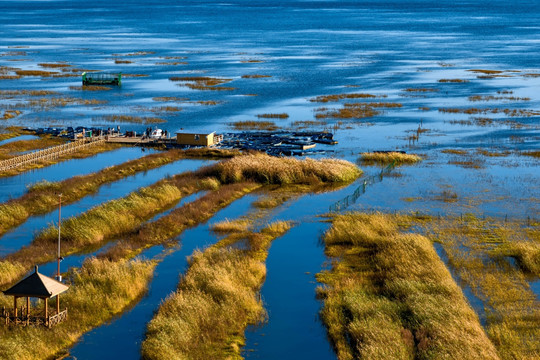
(49, 153)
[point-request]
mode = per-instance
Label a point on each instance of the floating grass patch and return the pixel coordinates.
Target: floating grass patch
(215, 301)
(496, 98)
(255, 76)
(455, 152)
(131, 119)
(335, 98)
(119, 61)
(203, 82)
(468, 164)
(389, 296)
(535, 154)
(389, 158)
(254, 125)
(35, 73)
(508, 112)
(169, 98)
(9, 93)
(90, 88)
(453, 81)
(354, 110)
(421, 90)
(271, 170)
(307, 124)
(54, 65)
(10, 114)
(99, 290)
(273, 116)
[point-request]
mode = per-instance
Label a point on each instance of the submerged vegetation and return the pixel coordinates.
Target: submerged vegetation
(389, 296)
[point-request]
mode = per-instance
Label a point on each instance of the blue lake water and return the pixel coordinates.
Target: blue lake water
(308, 48)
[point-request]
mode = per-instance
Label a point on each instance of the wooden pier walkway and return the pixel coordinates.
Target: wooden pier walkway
(49, 153)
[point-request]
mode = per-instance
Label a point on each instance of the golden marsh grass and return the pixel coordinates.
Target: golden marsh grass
(389, 296)
(384, 158)
(271, 170)
(215, 301)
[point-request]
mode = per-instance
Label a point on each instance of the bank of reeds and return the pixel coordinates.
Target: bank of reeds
(216, 300)
(389, 296)
(266, 169)
(43, 196)
(481, 252)
(98, 290)
(385, 158)
(119, 216)
(171, 225)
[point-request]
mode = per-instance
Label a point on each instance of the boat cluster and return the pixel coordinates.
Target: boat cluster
(278, 143)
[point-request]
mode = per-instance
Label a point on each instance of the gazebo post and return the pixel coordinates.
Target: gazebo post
(57, 304)
(46, 311)
(15, 308)
(27, 310)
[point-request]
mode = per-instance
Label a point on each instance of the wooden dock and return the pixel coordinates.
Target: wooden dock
(49, 153)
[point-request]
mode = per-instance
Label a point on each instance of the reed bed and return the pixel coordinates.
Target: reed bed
(254, 125)
(216, 300)
(453, 81)
(90, 88)
(355, 110)
(480, 251)
(42, 197)
(167, 227)
(203, 82)
(273, 116)
(389, 296)
(131, 119)
(117, 217)
(271, 170)
(385, 158)
(335, 98)
(99, 290)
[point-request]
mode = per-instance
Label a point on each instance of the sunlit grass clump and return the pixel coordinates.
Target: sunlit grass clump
(271, 170)
(389, 158)
(389, 296)
(215, 301)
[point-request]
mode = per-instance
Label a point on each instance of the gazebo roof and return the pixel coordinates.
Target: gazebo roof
(37, 285)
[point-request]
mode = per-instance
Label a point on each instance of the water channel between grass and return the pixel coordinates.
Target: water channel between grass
(15, 186)
(18, 138)
(23, 235)
(293, 329)
(122, 337)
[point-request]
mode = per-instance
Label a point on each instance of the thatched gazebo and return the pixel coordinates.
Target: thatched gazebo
(39, 286)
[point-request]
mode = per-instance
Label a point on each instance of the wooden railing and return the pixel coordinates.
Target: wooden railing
(24, 320)
(58, 318)
(48, 153)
